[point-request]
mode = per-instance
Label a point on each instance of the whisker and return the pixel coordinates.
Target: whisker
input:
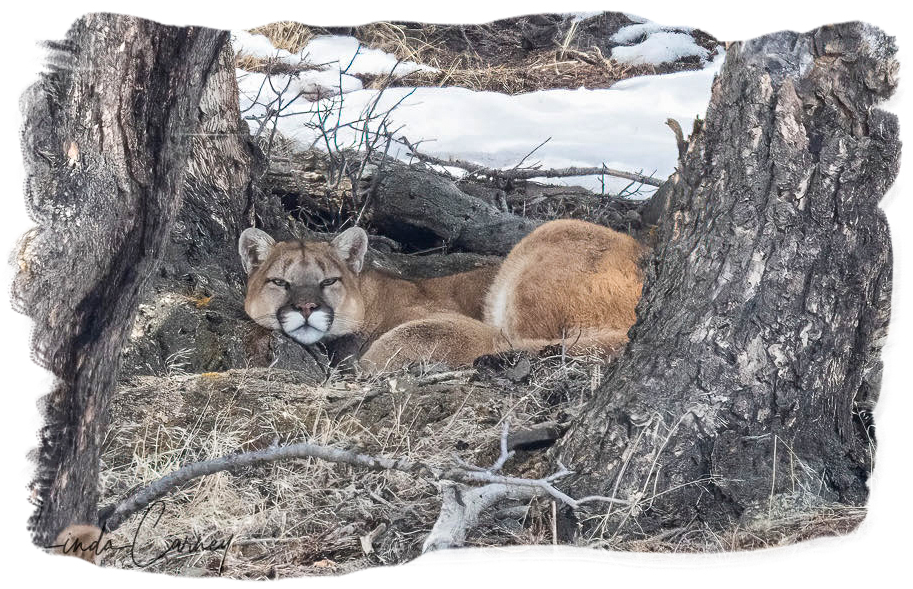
(339, 320)
(265, 316)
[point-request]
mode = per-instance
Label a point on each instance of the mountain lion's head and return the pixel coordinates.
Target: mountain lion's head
(308, 289)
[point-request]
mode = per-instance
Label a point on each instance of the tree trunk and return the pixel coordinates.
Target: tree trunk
(106, 142)
(754, 363)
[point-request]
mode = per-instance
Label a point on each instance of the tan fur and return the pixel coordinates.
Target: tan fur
(393, 301)
(567, 279)
(80, 540)
(449, 337)
(568, 282)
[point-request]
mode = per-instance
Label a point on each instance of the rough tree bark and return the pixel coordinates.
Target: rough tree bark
(754, 361)
(414, 201)
(106, 143)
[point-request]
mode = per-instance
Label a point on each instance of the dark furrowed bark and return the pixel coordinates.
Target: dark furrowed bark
(106, 143)
(754, 362)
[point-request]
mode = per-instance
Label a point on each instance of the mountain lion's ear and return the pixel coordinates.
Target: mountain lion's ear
(254, 246)
(351, 246)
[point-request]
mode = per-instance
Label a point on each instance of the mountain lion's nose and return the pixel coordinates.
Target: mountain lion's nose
(305, 308)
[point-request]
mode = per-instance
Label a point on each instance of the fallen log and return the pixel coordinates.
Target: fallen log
(410, 200)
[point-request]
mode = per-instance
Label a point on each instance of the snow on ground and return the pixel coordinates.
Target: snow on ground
(337, 60)
(658, 48)
(631, 33)
(657, 44)
(622, 126)
(581, 16)
(257, 46)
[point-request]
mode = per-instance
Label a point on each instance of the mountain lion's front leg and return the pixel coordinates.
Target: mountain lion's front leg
(449, 338)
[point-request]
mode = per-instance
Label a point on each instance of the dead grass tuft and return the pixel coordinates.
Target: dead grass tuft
(286, 34)
(559, 68)
(812, 522)
(250, 63)
(408, 44)
(492, 58)
(487, 57)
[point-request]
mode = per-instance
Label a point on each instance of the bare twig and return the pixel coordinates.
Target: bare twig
(679, 136)
(462, 507)
(116, 515)
(367, 541)
(505, 453)
(445, 376)
(528, 172)
(534, 150)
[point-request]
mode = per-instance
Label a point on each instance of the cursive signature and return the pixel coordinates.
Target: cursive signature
(189, 544)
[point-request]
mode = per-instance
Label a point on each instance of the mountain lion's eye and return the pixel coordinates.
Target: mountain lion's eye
(328, 281)
(280, 282)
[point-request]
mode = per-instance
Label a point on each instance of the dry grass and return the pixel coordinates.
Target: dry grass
(306, 516)
(559, 68)
(546, 72)
(405, 44)
(489, 58)
(786, 529)
(288, 35)
(249, 63)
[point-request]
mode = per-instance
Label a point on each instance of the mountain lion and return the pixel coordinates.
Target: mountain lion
(567, 282)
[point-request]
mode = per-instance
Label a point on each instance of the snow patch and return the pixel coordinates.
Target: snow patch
(335, 62)
(659, 48)
(257, 46)
(352, 57)
(650, 43)
(632, 33)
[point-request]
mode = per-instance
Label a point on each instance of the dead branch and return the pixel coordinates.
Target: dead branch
(462, 508)
(526, 173)
(113, 517)
(679, 137)
(455, 521)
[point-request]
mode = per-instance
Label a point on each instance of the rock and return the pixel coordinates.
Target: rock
(192, 331)
(537, 436)
(519, 371)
